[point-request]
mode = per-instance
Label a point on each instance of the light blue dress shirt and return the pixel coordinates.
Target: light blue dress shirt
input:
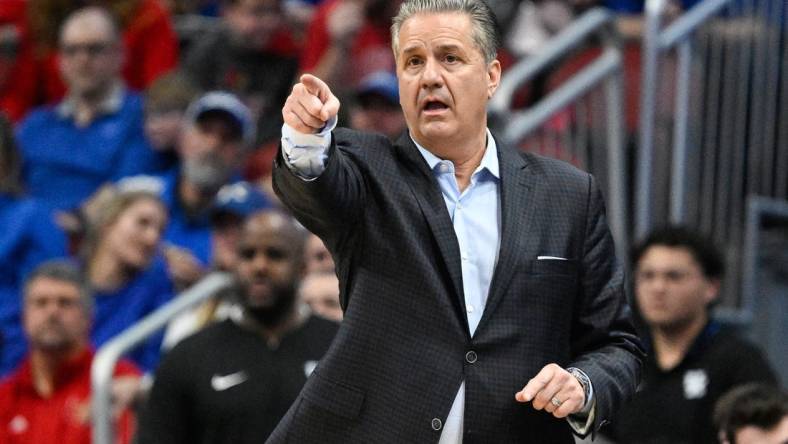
(476, 215)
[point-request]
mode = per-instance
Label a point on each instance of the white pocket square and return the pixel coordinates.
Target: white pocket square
(550, 258)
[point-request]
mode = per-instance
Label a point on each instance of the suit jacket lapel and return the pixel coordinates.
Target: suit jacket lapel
(428, 195)
(518, 208)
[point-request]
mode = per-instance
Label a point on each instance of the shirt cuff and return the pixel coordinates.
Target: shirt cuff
(582, 421)
(306, 154)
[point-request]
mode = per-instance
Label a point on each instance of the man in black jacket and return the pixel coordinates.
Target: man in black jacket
(482, 299)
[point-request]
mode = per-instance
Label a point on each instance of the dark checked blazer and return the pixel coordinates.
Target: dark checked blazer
(399, 357)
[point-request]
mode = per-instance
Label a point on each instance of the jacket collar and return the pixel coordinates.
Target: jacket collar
(518, 192)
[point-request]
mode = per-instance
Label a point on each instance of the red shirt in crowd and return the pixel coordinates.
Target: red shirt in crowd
(370, 50)
(28, 418)
(18, 86)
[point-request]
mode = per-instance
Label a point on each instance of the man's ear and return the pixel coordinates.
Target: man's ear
(494, 77)
(712, 290)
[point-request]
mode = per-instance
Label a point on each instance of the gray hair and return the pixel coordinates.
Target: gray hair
(485, 27)
(63, 270)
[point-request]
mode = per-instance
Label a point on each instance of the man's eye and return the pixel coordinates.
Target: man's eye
(451, 58)
(413, 61)
(275, 253)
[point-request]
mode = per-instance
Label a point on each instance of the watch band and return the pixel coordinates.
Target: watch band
(582, 378)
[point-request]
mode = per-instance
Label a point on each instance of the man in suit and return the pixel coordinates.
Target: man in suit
(482, 299)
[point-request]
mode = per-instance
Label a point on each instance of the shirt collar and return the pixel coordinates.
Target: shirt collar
(110, 105)
(489, 160)
(66, 372)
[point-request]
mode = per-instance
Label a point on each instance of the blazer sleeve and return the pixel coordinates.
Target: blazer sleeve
(604, 342)
(330, 204)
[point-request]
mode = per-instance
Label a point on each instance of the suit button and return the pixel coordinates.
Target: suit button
(436, 424)
(471, 357)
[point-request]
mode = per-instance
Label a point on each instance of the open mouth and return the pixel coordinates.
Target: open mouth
(435, 106)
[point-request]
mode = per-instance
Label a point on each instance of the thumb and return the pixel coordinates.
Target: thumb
(330, 108)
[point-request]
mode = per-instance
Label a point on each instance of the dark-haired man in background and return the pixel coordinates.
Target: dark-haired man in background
(692, 360)
(753, 414)
(234, 380)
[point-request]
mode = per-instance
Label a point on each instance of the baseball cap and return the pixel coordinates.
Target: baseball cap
(227, 103)
(240, 199)
(381, 83)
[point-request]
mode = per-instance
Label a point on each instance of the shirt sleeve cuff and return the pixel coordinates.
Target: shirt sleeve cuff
(306, 154)
(582, 421)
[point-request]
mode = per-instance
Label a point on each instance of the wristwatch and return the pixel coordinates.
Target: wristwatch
(584, 381)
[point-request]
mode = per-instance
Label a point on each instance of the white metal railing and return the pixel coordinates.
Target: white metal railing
(724, 67)
(606, 71)
(108, 355)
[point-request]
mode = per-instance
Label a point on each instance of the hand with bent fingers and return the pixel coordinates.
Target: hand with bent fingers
(555, 390)
(310, 105)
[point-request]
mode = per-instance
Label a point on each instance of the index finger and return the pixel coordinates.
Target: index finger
(536, 384)
(316, 87)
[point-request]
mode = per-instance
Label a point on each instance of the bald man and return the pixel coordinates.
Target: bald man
(233, 381)
(95, 134)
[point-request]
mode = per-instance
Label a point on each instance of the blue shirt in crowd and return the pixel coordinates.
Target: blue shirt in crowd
(64, 163)
(188, 231)
(118, 310)
(28, 236)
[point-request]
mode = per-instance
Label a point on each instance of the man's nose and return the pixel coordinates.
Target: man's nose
(260, 262)
(50, 309)
(431, 76)
(659, 282)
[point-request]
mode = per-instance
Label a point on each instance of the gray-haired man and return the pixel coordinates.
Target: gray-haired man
(482, 298)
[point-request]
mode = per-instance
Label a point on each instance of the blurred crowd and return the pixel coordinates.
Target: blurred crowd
(136, 144)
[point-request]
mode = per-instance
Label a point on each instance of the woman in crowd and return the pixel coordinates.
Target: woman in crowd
(124, 266)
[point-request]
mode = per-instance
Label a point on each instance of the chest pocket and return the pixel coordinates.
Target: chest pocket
(551, 267)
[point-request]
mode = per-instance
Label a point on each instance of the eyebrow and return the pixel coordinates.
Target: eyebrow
(442, 49)
(448, 47)
(412, 48)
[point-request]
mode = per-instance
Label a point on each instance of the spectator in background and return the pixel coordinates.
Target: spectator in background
(124, 267)
(377, 106)
(28, 236)
(165, 106)
(149, 43)
(692, 360)
(47, 400)
(234, 204)
(320, 291)
(251, 55)
(18, 83)
(260, 359)
(191, 7)
(211, 146)
(317, 256)
(753, 414)
(349, 39)
(95, 134)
